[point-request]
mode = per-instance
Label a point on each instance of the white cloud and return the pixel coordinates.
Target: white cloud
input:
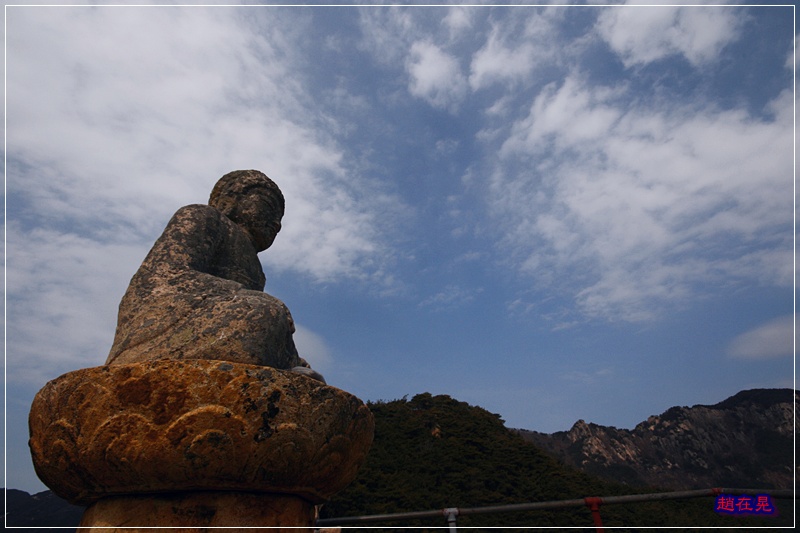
(395, 38)
(114, 127)
(565, 115)
(312, 348)
(498, 61)
(516, 46)
(458, 20)
(634, 206)
(116, 118)
(435, 76)
(508, 55)
(773, 339)
(643, 34)
(519, 41)
(387, 33)
(791, 58)
(63, 292)
(446, 147)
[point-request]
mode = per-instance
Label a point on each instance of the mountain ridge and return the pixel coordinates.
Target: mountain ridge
(744, 440)
(39, 512)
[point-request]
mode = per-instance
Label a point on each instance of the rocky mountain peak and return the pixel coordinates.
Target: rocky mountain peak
(745, 440)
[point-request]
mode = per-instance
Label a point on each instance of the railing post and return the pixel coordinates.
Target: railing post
(451, 513)
(593, 503)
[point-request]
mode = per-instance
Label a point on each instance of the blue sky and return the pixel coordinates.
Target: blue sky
(552, 212)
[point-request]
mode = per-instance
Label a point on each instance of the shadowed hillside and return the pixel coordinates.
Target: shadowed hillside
(434, 452)
(40, 511)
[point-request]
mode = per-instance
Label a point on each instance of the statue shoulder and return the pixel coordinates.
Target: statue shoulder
(198, 219)
(189, 240)
(197, 214)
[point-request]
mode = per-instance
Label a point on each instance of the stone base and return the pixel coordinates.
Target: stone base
(193, 512)
(185, 427)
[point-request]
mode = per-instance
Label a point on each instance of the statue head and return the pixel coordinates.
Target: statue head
(253, 201)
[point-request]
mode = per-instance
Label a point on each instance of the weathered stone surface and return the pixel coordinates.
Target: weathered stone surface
(168, 425)
(192, 512)
(198, 293)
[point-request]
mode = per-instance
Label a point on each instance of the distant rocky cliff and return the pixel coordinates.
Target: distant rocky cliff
(744, 441)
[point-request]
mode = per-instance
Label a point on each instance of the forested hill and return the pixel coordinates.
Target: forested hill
(434, 452)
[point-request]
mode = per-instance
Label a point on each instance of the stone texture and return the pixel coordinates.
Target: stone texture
(199, 292)
(193, 512)
(169, 425)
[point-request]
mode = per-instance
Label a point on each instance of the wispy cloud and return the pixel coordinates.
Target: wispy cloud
(202, 92)
(513, 49)
(590, 377)
(451, 296)
(773, 339)
(458, 20)
(633, 206)
(313, 348)
(634, 199)
(388, 33)
(63, 293)
(435, 76)
(112, 128)
(641, 35)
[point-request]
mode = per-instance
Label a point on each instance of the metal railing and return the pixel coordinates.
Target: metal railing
(592, 502)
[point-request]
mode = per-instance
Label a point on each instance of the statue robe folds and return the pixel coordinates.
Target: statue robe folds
(199, 295)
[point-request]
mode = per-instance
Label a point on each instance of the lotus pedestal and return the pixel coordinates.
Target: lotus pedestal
(196, 444)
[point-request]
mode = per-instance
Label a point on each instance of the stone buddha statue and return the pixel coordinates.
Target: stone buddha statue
(199, 292)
